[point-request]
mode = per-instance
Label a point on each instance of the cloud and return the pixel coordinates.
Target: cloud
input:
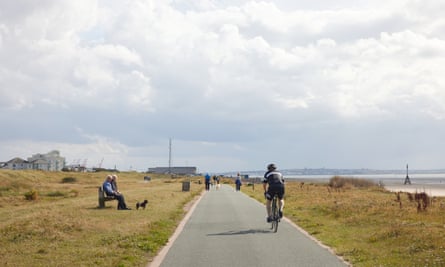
(234, 83)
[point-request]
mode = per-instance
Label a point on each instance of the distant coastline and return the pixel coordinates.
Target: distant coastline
(431, 182)
(333, 172)
(436, 190)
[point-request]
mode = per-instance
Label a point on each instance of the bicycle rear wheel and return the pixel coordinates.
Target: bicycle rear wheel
(275, 215)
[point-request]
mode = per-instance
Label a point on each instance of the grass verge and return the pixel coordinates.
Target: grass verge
(365, 224)
(62, 226)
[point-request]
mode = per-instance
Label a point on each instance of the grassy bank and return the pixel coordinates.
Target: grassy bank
(367, 225)
(64, 227)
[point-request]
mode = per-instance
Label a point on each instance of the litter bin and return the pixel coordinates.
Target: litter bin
(185, 186)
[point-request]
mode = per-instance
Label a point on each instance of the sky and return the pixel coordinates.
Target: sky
(233, 84)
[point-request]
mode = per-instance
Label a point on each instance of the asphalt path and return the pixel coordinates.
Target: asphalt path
(228, 228)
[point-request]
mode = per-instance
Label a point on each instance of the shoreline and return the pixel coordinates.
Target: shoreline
(433, 187)
(432, 190)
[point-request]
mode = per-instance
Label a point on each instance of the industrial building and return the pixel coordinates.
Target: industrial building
(174, 170)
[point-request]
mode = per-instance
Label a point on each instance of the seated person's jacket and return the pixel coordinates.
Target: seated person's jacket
(108, 188)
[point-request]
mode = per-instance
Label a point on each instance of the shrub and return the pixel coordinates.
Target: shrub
(32, 195)
(69, 180)
(341, 182)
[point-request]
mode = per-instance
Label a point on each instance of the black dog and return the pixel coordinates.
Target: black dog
(141, 204)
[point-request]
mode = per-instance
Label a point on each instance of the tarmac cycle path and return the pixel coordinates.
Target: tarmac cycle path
(228, 228)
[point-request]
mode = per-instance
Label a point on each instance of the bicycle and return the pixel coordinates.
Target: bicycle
(275, 214)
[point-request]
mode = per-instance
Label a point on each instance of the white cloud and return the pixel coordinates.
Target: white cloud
(248, 77)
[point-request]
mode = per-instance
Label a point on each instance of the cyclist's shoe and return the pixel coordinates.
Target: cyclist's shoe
(269, 219)
(280, 213)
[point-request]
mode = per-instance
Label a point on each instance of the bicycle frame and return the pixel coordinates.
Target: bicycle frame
(275, 214)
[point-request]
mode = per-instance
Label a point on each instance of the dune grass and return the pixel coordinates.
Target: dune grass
(62, 226)
(365, 224)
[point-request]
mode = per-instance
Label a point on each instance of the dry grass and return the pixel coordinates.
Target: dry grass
(368, 225)
(365, 224)
(63, 227)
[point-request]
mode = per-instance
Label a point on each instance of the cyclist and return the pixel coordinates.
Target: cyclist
(273, 183)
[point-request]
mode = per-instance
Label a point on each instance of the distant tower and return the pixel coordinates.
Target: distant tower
(407, 181)
(169, 155)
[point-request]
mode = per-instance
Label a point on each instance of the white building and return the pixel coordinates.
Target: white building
(51, 161)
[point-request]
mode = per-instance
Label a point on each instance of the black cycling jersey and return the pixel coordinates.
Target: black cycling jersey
(273, 178)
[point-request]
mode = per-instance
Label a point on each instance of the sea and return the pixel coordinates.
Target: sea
(390, 179)
(417, 178)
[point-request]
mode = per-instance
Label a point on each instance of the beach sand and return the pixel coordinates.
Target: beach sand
(433, 187)
(434, 190)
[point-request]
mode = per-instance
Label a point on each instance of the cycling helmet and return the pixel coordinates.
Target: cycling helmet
(271, 167)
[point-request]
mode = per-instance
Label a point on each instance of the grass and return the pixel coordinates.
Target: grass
(364, 224)
(62, 226)
(367, 225)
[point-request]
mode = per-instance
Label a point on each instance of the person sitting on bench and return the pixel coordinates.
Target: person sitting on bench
(110, 190)
(114, 183)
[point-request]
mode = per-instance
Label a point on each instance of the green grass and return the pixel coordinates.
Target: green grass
(64, 227)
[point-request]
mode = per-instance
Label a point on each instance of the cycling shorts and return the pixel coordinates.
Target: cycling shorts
(275, 190)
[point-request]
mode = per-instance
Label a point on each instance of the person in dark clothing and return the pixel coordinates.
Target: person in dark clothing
(238, 182)
(207, 182)
(273, 184)
(110, 189)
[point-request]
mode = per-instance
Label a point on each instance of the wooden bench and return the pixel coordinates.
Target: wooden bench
(103, 197)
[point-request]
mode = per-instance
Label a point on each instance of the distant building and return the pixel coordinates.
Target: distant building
(16, 164)
(41, 164)
(174, 170)
(51, 161)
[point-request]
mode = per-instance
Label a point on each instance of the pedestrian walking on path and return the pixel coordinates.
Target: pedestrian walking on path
(238, 182)
(207, 182)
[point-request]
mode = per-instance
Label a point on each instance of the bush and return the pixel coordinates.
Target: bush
(341, 182)
(69, 180)
(32, 195)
